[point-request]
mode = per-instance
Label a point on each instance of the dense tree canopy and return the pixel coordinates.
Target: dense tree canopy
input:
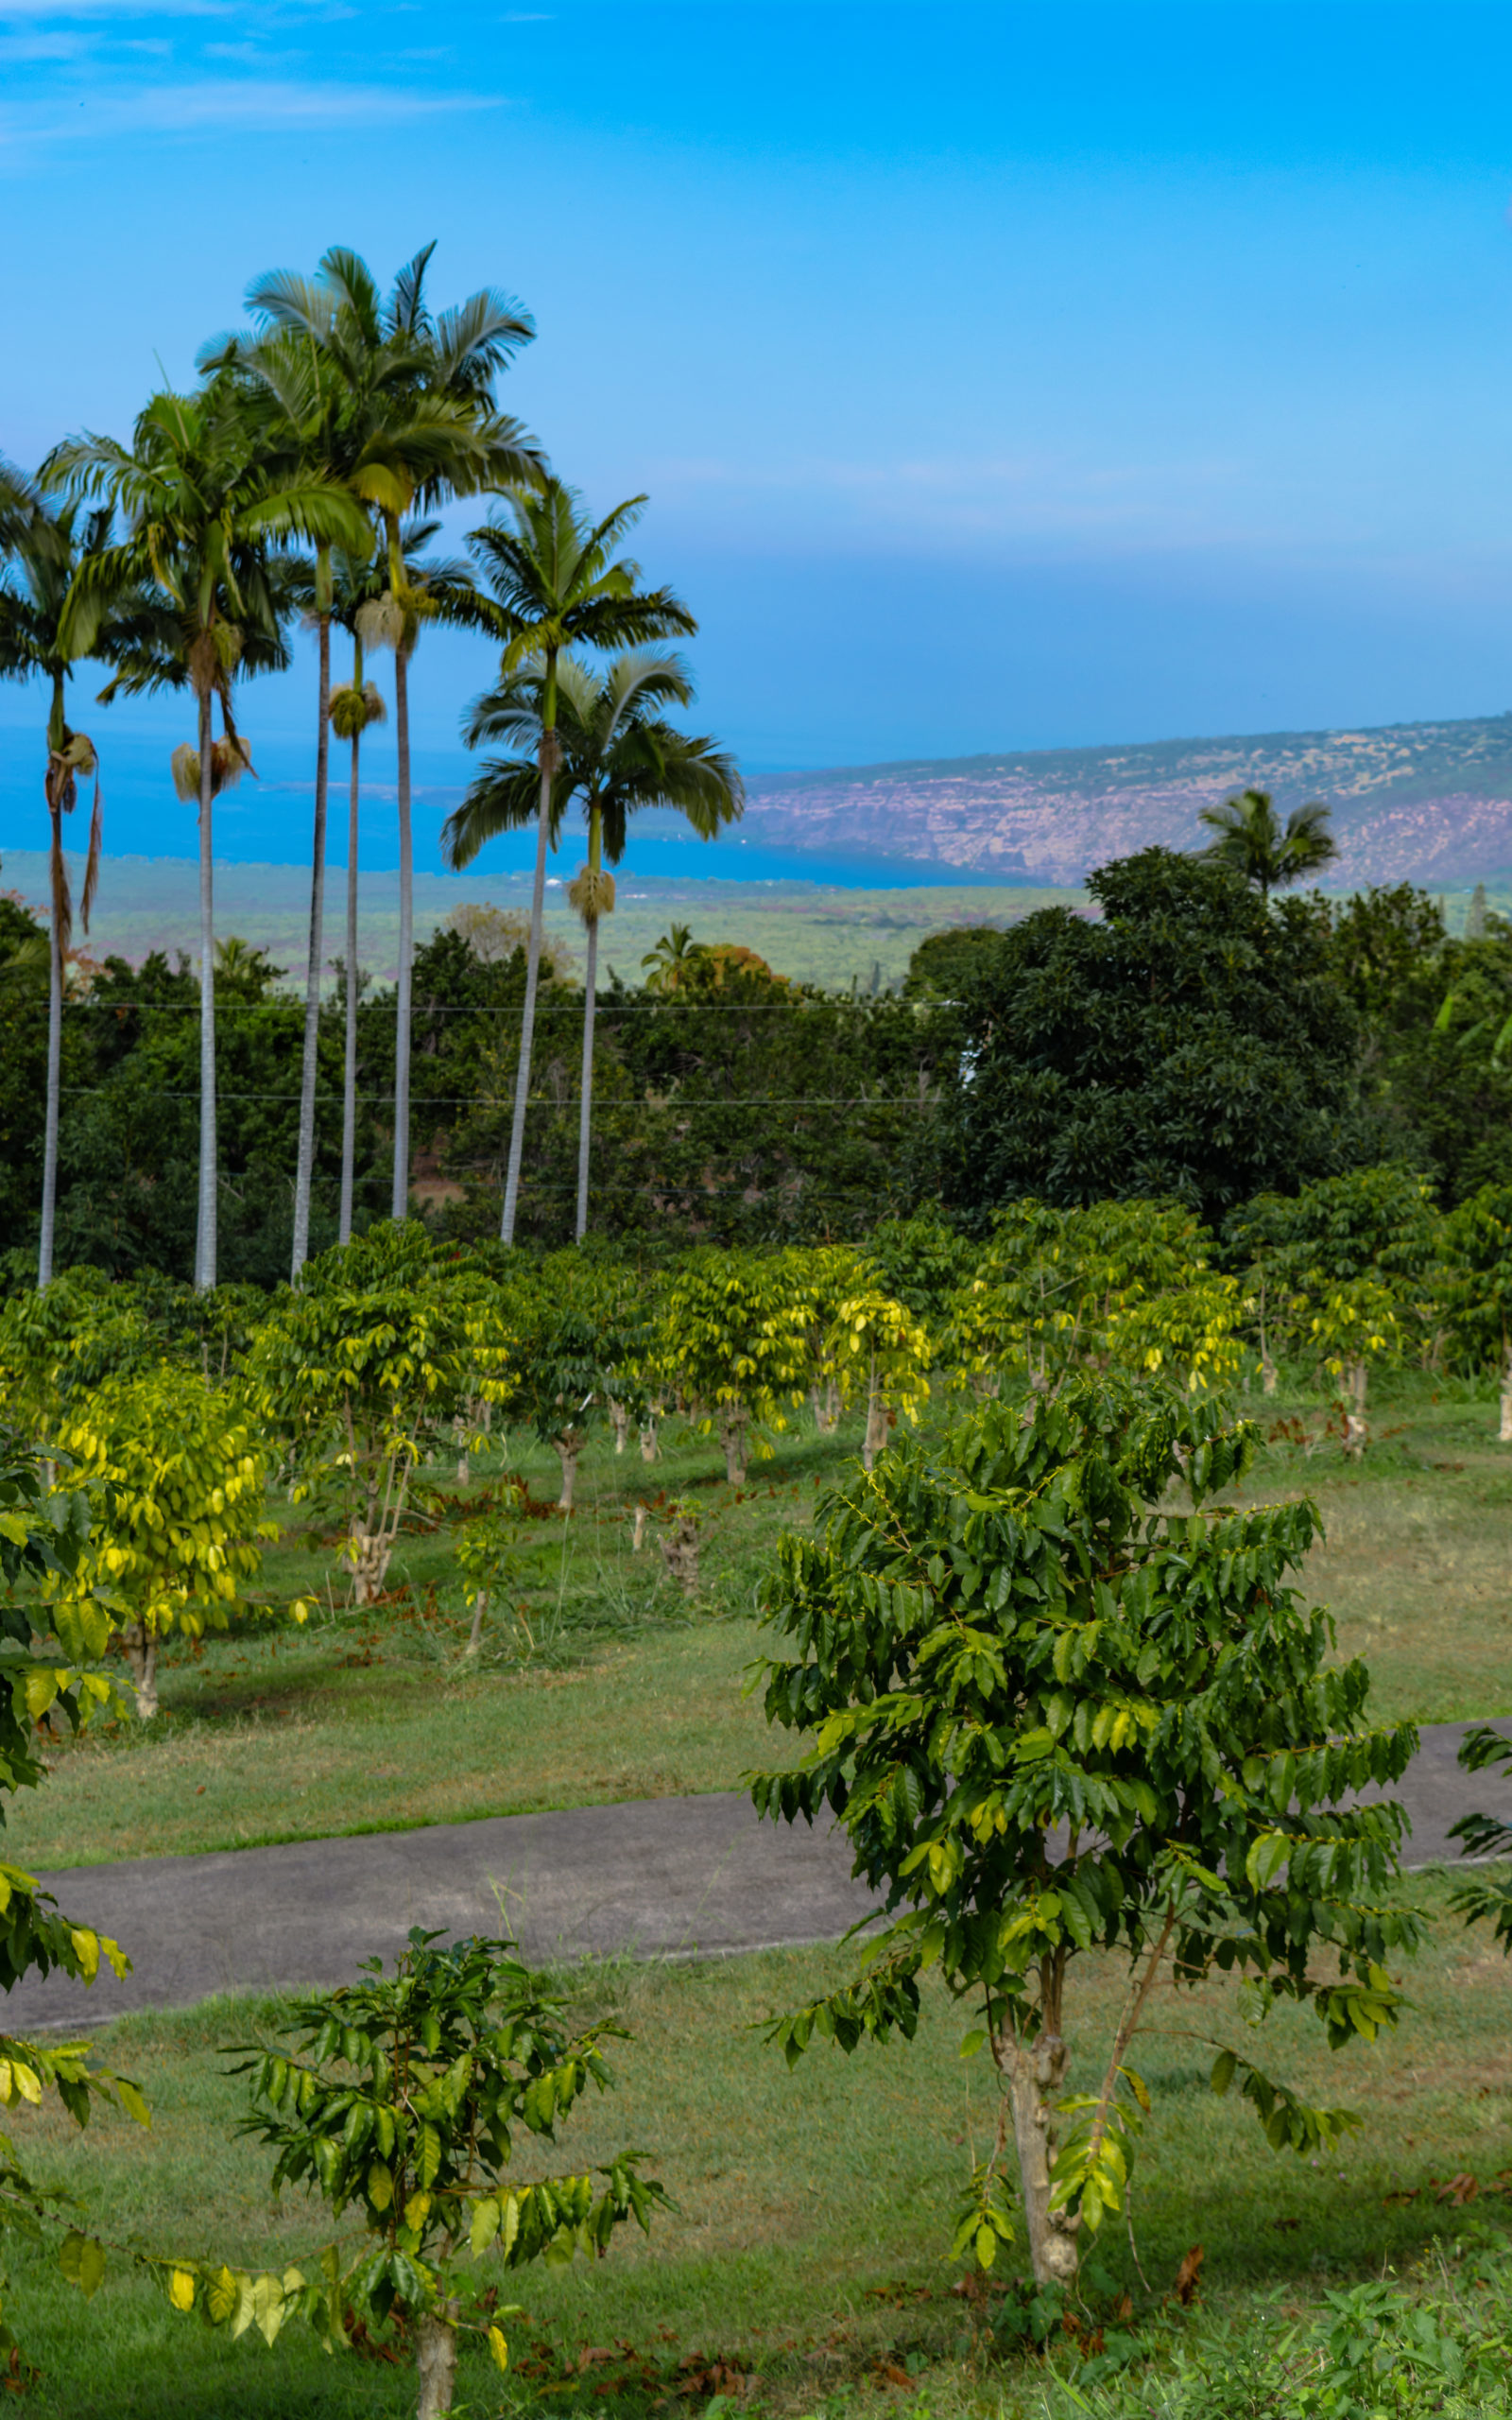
(1190, 1044)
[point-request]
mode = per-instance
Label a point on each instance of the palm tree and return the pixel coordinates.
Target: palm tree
(362, 605)
(407, 417)
(45, 544)
(668, 964)
(556, 582)
(356, 706)
(1254, 841)
(206, 509)
(619, 755)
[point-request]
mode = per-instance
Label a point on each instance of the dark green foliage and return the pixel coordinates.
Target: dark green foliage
(24, 1069)
(402, 2097)
(1370, 1223)
(755, 1113)
(922, 1261)
(1048, 1718)
(941, 966)
(1486, 1895)
(1193, 1044)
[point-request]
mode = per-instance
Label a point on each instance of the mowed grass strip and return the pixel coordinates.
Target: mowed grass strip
(597, 1681)
(375, 1720)
(805, 2256)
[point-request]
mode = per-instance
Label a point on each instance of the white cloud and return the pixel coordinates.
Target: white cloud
(93, 11)
(262, 104)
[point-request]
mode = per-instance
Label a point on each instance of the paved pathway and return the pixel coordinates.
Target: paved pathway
(679, 1877)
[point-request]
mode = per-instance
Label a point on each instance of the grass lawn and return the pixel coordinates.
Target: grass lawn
(375, 1720)
(805, 2258)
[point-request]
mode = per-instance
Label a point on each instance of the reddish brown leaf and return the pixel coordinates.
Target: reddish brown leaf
(1188, 2275)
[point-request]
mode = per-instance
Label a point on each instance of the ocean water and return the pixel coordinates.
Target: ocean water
(266, 820)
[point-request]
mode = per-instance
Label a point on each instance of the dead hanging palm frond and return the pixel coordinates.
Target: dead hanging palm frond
(229, 758)
(381, 621)
(354, 711)
(65, 763)
(91, 862)
(592, 894)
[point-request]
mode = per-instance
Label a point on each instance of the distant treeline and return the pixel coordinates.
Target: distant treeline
(1196, 1043)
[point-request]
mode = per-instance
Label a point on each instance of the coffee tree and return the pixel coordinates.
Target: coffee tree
(175, 1472)
(1315, 1256)
(1052, 1718)
(573, 1358)
(54, 1631)
(881, 1357)
(731, 1345)
(823, 1277)
(1478, 1285)
(380, 1344)
(1057, 1290)
(1349, 1326)
(401, 2101)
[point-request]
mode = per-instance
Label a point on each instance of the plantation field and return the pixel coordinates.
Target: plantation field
(811, 932)
(802, 2268)
(611, 1686)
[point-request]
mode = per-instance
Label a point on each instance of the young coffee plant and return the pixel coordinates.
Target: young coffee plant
(401, 2101)
(1051, 1719)
(174, 1471)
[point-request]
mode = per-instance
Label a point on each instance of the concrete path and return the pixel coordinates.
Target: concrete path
(661, 1877)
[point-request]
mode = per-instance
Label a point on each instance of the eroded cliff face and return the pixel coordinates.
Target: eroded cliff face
(1429, 802)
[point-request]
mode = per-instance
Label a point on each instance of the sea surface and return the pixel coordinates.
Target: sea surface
(266, 820)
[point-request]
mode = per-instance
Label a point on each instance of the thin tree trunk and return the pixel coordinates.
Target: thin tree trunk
(304, 1166)
(205, 1231)
(732, 1421)
(55, 1062)
(538, 910)
(142, 1662)
(1506, 1437)
(435, 2357)
(1035, 2072)
(878, 1424)
(570, 1445)
(407, 918)
(585, 1109)
(348, 1081)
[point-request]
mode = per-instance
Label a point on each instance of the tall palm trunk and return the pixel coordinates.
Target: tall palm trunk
(585, 1106)
(205, 1229)
(407, 918)
(349, 1082)
(55, 993)
(55, 1064)
(585, 1090)
(550, 758)
(304, 1166)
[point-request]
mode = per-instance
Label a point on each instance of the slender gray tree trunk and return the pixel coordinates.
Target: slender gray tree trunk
(400, 1208)
(55, 1074)
(349, 1080)
(527, 1022)
(585, 1106)
(205, 1233)
(436, 2358)
(1035, 2072)
(304, 1168)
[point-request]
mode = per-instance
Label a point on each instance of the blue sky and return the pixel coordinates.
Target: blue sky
(1001, 376)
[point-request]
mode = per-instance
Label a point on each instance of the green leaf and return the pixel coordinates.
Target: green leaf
(82, 2263)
